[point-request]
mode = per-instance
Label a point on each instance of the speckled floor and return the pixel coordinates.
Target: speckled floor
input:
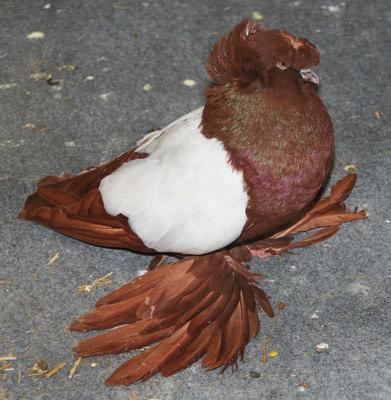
(337, 293)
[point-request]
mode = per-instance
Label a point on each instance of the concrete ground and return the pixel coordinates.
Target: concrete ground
(79, 95)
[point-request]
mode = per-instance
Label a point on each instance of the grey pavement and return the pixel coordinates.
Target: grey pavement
(336, 293)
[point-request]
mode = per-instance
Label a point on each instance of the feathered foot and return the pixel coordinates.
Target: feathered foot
(325, 218)
(201, 306)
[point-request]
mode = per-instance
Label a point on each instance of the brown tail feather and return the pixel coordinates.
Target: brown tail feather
(72, 205)
(200, 306)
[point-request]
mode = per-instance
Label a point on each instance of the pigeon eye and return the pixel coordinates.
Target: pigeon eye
(281, 66)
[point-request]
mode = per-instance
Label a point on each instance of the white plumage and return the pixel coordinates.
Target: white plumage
(184, 197)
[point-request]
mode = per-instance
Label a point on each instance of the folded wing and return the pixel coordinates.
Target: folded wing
(72, 205)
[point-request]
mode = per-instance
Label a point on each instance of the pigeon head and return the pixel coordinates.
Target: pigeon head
(280, 49)
(250, 52)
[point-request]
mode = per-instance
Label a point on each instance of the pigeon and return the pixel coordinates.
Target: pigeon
(235, 179)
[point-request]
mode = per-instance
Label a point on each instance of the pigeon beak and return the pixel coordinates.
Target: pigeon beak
(309, 75)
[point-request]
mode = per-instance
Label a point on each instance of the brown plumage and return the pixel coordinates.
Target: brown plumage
(72, 204)
(200, 306)
(278, 133)
(260, 112)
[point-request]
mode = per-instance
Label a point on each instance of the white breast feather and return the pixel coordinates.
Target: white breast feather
(184, 197)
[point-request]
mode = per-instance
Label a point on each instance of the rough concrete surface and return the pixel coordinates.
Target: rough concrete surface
(337, 292)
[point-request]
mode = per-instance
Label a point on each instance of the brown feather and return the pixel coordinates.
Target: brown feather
(318, 236)
(150, 361)
(249, 51)
(245, 325)
(123, 338)
(213, 348)
(328, 213)
(194, 351)
(72, 205)
(110, 315)
(333, 218)
(272, 123)
(230, 340)
(201, 305)
(157, 261)
(263, 301)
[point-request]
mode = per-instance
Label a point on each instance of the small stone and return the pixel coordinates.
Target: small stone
(189, 82)
(314, 315)
(41, 76)
(257, 15)
(47, 6)
(29, 125)
(105, 96)
(350, 168)
(67, 67)
(8, 85)
(281, 305)
(53, 259)
(302, 387)
(35, 35)
(254, 374)
(334, 9)
(89, 78)
(52, 82)
(322, 347)
(147, 87)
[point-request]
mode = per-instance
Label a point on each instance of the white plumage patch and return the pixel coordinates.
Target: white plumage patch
(184, 197)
